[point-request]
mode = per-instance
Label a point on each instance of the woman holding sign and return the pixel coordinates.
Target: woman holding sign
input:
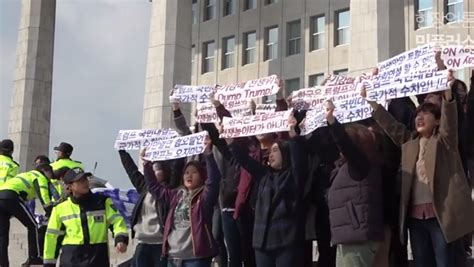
(435, 199)
(187, 238)
(278, 223)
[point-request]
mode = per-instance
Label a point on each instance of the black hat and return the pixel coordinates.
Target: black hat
(64, 147)
(75, 174)
(6, 145)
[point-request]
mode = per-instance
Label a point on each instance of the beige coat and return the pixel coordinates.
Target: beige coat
(447, 180)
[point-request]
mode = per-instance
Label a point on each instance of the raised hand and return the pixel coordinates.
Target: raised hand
(292, 122)
(142, 156)
(279, 94)
(173, 101)
(208, 144)
(363, 94)
(329, 105)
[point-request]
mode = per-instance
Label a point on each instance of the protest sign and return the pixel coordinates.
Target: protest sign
(339, 80)
(346, 111)
(256, 88)
(419, 59)
(458, 57)
(265, 108)
(206, 113)
(256, 124)
(137, 139)
(312, 98)
(238, 108)
(379, 89)
(191, 93)
(178, 147)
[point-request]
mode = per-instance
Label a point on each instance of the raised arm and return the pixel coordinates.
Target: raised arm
(254, 167)
(211, 187)
(397, 131)
(158, 190)
(180, 121)
(135, 176)
(216, 141)
(448, 127)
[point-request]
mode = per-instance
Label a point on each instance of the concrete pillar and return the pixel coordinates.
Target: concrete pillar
(169, 59)
(30, 112)
(377, 33)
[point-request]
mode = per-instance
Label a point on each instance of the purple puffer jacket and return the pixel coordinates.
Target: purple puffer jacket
(202, 207)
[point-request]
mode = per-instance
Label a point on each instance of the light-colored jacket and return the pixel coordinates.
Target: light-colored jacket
(447, 180)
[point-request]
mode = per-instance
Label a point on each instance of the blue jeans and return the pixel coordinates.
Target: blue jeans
(148, 255)
(190, 263)
(429, 246)
(232, 238)
(285, 257)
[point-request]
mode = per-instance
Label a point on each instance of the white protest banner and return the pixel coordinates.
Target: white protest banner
(420, 59)
(256, 124)
(339, 80)
(178, 147)
(265, 108)
(261, 87)
(384, 89)
(346, 111)
(137, 139)
(458, 57)
(311, 98)
(191, 93)
(206, 113)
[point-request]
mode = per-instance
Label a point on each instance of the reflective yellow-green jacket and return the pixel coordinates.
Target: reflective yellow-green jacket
(8, 168)
(83, 225)
(29, 185)
(69, 163)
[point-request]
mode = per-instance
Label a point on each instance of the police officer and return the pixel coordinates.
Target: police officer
(8, 167)
(78, 226)
(64, 151)
(13, 194)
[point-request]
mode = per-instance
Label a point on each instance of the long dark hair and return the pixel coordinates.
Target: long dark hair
(365, 141)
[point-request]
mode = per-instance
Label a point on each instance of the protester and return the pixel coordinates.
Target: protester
(187, 238)
(217, 225)
(13, 194)
(64, 152)
(149, 215)
(78, 226)
(278, 223)
(435, 197)
(8, 167)
(355, 194)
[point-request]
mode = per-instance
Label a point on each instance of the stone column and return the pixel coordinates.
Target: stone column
(169, 59)
(30, 112)
(377, 33)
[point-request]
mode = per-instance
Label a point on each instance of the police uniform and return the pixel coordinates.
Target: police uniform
(8, 167)
(64, 163)
(13, 194)
(78, 227)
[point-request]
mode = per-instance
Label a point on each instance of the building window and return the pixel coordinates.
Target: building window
(294, 37)
(342, 27)
(208, 57)
(424, 14)
(195, 10)
(341, 72)
(228, 52)
(250, 40)
(317, 27)
(292, 85)
(193, 60)
(250, 4)
(454, 11)
(229, 6)
(315, 79)
(209, 10)
(269, 2)
(271, 43)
